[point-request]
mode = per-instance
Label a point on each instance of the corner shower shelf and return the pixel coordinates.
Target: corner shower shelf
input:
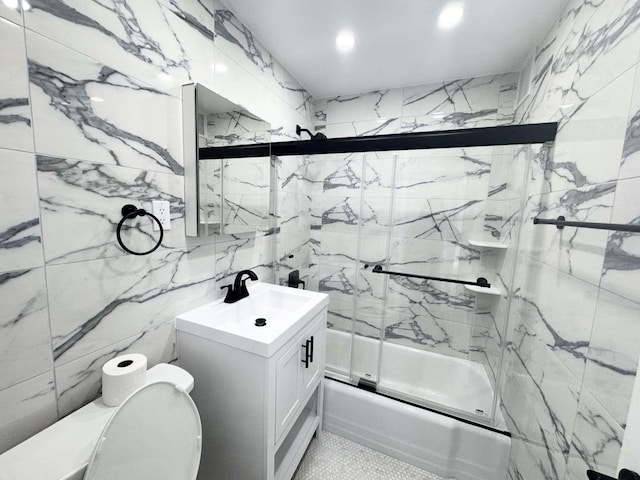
(485, 244)
(485, 290)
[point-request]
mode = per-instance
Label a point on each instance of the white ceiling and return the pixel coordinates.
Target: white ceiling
(398, 42)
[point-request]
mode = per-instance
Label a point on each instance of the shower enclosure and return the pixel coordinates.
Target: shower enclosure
(449, 213)
(442, 204)
(452, 213)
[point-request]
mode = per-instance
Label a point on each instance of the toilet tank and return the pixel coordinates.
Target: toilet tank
(62, 451)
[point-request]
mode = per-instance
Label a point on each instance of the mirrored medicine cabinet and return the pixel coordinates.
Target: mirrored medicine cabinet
(223, 196)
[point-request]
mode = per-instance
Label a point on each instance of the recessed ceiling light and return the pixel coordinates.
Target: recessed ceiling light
(345, 41)
(451, 15)
(220, 67)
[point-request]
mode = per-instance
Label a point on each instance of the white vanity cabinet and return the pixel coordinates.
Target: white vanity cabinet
(298, 373)
(259, 409)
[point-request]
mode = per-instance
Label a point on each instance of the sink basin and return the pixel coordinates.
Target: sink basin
(285, 309)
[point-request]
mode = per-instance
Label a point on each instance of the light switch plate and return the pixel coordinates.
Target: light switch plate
(162, 210)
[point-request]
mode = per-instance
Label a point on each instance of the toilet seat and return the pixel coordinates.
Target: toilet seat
(155, 434)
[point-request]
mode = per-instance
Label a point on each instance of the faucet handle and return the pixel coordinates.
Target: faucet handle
(229, 290)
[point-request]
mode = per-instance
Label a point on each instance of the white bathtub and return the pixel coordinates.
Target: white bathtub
(434, 442)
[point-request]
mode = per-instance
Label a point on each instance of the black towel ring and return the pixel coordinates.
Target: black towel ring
(131, 211)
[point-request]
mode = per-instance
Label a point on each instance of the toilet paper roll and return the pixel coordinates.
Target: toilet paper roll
(122, 376)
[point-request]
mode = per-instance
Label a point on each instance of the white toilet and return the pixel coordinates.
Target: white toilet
(155, 434)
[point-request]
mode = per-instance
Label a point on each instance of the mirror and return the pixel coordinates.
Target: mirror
(223, 196)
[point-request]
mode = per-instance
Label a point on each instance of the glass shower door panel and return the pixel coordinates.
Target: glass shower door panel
(335, 212)
(439, 209)
(373, 246)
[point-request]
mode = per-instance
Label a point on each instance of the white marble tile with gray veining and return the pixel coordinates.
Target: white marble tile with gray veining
(97, 303)
(434, 257)
(15, 115)
(413, 326)
(509, 169)
(576, 251)
(80, 381)
(436, 218)
(508, 95)
(622, 256)
(589, 143)
(20, 235)
(501, 220)
(91, 195)
(450, 105)
(237, 41)
(25, 338)
(293, 251)
(319, 110)
(27, 408)
(563, 326)
(83, 109)
(293, 196)
(335, 213)
(486, 344)
(339, 283)
(337, 248)
(589, 46)
(549, 391)
(337, 175)
(294, 212)
(364, 128)
(164, 43)
(630, 165)
(612, 359)
(293, 174)
(532, 460)
(248, 253)
(379, 173)
(12, 11)
(596, 440)
(429, 300)
(433, 176)
(378, 105)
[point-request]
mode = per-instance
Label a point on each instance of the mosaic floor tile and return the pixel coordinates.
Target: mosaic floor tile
(331, 457)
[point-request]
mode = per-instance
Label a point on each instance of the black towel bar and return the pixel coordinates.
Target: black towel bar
(480, 282)
(561, 222)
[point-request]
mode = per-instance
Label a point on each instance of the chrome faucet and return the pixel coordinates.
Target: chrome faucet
(238, 290)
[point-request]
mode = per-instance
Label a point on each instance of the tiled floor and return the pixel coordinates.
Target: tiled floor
(331, 457)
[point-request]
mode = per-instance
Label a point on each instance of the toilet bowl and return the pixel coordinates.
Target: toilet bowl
(154, 434)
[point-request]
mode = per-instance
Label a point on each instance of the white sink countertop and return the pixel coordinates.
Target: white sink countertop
(285, 309)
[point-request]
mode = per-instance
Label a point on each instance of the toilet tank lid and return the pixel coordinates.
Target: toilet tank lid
(170, 373)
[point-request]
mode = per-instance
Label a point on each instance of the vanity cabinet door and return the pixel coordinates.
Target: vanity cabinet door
(315, 370)
(288, 387)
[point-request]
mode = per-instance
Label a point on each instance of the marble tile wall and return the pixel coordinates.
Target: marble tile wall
(90, 119)
(418, 210)
(572, 348)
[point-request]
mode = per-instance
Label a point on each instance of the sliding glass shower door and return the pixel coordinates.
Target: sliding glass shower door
(449, 213)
